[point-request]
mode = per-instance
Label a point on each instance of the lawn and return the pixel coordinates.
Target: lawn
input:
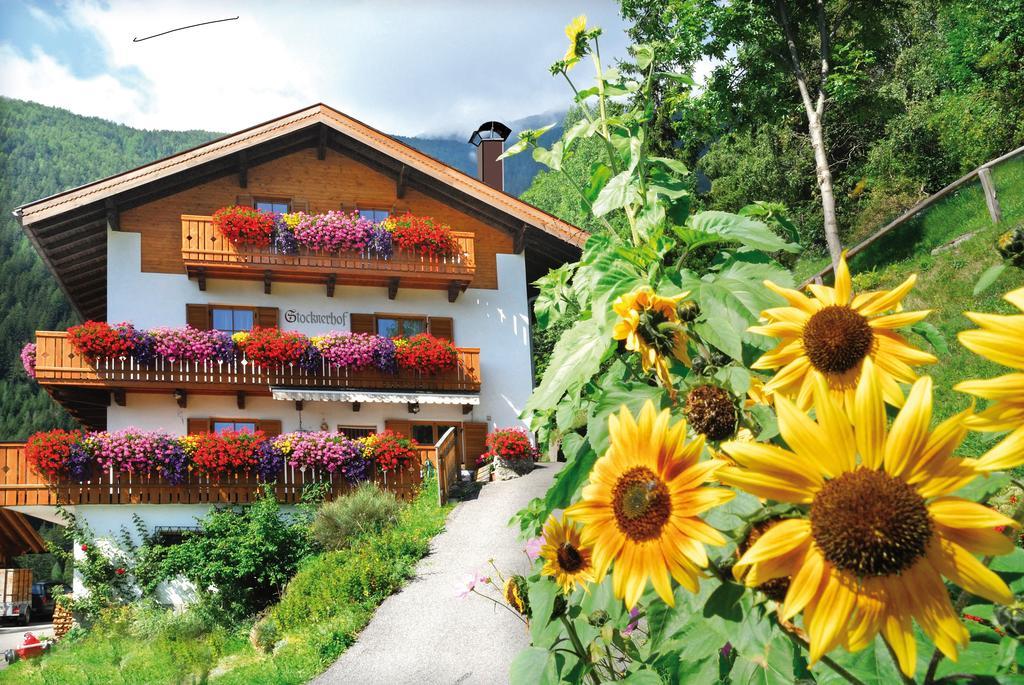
(322, 611)
(946, 280)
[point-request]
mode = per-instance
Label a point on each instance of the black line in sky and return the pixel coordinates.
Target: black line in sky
(182, 28)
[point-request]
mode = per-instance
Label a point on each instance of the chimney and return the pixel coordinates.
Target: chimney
(489, 140)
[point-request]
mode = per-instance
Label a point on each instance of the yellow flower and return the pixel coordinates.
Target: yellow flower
(830, 336)
(240, 337)
(756, 393)
(566, 559)
(576, 32)
(880, 530)
(641, 506)
(999, 339)
(650, 326)
(515, 594)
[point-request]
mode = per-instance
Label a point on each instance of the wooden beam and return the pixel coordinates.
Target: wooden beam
(243, 169)
(181, 397)
(240, 399)
(321, 146)
(266, 281)
(995, 212)
(392, 288)
(467, 409)
(400, 183)
(298, 405)
(454, 288)
(120, 398)
(201, 277)
(356, 406)
(113, 218)
(332, 280)
(519, 240)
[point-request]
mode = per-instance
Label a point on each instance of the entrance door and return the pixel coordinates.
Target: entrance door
(429, 432)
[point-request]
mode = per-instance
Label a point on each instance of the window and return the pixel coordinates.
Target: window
(355, 432)
(396, 326)
(225, 425)
(275, 206)
(374, 215)
(231, 319)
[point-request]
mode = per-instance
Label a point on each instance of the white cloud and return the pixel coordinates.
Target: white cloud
(402, 66)
(46, 19)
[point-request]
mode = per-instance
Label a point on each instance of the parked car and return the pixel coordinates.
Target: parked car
(44, 597)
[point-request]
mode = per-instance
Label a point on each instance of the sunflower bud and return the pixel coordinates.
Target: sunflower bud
(688, 311)
(1011, 618)
(1011, 246)
(597, 618)
(720, 358)
(560, 606)
(711, 412)
(699, 364)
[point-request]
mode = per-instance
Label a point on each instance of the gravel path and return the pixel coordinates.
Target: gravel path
(425, 634)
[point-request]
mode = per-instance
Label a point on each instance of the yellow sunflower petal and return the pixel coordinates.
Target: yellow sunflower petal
(909, 432)
(806, 438)
(782, 538)
(844, 283)
(960, 513)
(1006, 455)
(901, 320)
(826, 619)
(995, 346)
(805, 584)
(960, 566)
(1008, 387)
(888, 300)
(869, 418)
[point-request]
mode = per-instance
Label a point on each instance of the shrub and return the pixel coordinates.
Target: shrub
(367, 509)
(247, 554)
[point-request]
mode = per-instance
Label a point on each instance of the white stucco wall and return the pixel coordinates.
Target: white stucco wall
(496, 321)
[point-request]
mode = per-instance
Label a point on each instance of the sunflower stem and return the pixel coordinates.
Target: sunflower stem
(825, 658)
(582, 653)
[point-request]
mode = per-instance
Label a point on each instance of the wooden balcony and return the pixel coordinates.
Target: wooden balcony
(20, 485)
(207, 254)
(57, 364)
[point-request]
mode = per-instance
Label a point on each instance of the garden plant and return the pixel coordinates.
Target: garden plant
(754, 489)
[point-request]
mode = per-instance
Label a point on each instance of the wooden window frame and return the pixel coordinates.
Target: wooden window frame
(272, 200)
(234, 308)
(377, 316)
(358, 209)
(220, 419)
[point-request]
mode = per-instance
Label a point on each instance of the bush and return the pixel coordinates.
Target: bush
(247, 554)
(367, 509)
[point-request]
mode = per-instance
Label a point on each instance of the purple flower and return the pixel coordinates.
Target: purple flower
(192, 344)
(380, 242)
(311, 359)
(349, 350)
(533, 546)
(28, 359)
(331, 452)
(633, 613)
(282, 238)
(385, 354)
(79, 463)
(269, 462)
(469, 583)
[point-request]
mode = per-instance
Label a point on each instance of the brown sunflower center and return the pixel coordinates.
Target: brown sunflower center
(657, 330)
(836, 338)
(869, 523)
(711, 412)
(642, 504)
(569, 558)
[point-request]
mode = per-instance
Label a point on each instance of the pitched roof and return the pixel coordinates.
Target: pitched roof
(69, 229)
(60, 203)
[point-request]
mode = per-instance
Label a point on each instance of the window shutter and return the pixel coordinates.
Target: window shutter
(363, 323)
(266, 317)
(198, 426)
(298, 205)
(271, 428)
(244, 201)
(399, 426)
(441, 327)
(474, 442)
(198, 316)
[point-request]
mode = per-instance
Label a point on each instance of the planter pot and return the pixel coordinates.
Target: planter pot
(507, 470)
(484, 473)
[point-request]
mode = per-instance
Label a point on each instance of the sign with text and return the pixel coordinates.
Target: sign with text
(320, 320)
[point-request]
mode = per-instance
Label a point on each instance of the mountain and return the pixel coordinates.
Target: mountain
(44, 150)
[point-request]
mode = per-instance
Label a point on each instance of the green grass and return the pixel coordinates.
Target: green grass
(323, 608)
(946, 280)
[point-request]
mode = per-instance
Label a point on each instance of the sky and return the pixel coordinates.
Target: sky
(427, 67)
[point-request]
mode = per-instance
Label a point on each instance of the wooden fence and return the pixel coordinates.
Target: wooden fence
(21, 485)
(982, 173)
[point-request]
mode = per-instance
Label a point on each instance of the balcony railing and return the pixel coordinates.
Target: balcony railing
(20, 485)
(58, 364)
(207, 254)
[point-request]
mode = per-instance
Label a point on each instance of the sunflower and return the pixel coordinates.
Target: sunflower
(831, 334)
(650, 326)
(880, 528)
(565, 558)
(998, 340)
(641, 506)
(576, 32)
(515, 594)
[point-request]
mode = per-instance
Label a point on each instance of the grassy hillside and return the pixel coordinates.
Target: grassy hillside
(946, 279)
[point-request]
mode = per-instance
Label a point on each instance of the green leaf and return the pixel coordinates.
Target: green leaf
(770, 665)
(735, 378)
(741, 229)
(576, 358)
(569, 479)
(600, 174)
(541, 593)
(984, 486)
(620, 191)
(531, 666)
(643, 54)
(644, 678)
(673, 165)
(932, 334)
(722, 325)
(552, 158)
(988, 277)
(684, 79)
(613, 398)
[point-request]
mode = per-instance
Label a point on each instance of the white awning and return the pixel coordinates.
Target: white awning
(369, 396)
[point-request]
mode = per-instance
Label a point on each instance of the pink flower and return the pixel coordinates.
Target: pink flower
(633, 613)
(533, 546)
(469, 584)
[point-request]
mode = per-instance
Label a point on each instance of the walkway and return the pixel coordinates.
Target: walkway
(425, 635)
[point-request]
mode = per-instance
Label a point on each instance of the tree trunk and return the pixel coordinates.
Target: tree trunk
(828, 198)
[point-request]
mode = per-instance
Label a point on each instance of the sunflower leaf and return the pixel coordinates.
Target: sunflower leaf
(576, 358)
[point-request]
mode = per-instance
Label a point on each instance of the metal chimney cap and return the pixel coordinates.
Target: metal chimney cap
(491, 130)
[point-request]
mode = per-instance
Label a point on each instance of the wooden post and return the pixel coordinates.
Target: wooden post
(989, 186)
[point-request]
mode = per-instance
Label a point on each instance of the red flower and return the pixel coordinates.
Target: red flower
(510, 444)
(48, 451)
(119, 571)
(269, 347)
(85, 548)
(222, 454)
(391, 450)
(426, 354)
(98, 339)
(244, 225)
(421, 234)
